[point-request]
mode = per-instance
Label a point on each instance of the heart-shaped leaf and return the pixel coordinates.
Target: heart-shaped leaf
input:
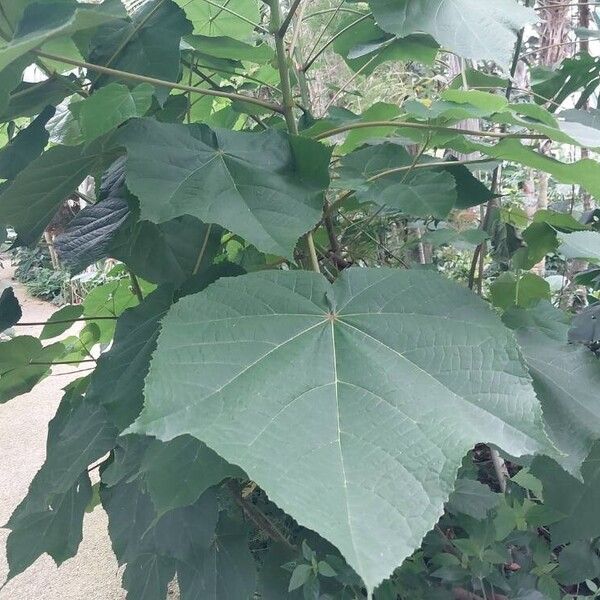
(351, 404)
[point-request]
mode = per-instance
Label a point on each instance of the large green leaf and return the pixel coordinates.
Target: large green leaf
(420, 194)
(362, 170)
(41, 22)
(146, 44)
(364, 394)
(566, 378)
(38, 191)
(210, 552)
(266, 187)
(118, 380)
(61, 522)
(225, 570)
(470, 28)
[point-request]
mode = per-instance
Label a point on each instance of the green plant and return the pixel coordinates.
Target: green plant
(34, 269)
(290, 386)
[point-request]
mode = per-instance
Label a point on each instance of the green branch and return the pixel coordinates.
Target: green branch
(160, 82)
(427, 127)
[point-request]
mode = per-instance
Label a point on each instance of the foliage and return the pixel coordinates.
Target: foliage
(263, 431)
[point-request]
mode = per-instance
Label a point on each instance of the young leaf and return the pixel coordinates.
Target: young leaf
(370, 318)
(300, 576)
(266, 187)
(60, 321)
(472, 498)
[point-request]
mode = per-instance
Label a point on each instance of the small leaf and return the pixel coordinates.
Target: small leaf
(326, 570)
(300, 576)
(472, 498)
(307, 552)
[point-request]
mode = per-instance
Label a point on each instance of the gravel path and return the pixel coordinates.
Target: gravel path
(91, 575)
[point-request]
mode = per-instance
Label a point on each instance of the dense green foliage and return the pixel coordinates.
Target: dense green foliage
(282, 404)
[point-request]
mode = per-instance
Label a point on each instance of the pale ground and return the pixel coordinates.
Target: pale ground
(92, 574)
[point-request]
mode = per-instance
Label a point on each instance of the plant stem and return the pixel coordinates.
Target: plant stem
(283, 68)
(427, 127)
(202, 250)
(288, 101)
(63, 362)
(499, 468)
(235, 14)
(326, 45)
(256, 516)
(62, 321)
(135, 286)
(288, 19)
(160, 82)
